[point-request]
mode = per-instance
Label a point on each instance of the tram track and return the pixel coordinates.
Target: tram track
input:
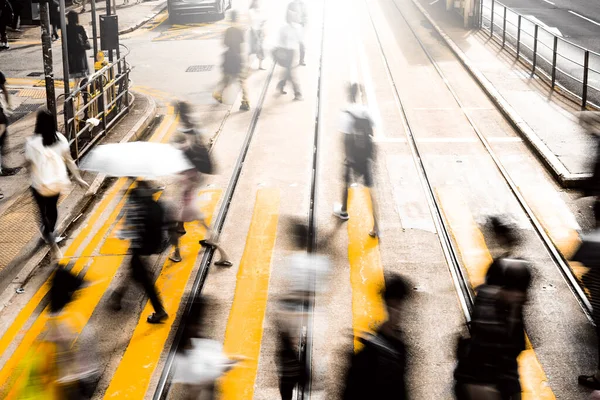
(457, 270)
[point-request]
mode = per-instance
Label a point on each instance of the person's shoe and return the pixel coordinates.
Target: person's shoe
(341, 214)
(10, 171)
(1, 195)
(302, 63)
(82, 11)
(157, 317)
(4, 45)
(245, 106)
(589, 381)
(218, 97)
(223, 263)
(374, 233)
(298, 97)
(175, 257)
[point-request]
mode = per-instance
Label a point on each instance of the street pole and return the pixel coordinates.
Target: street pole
(108, 12)
(47, 55)
(94, 30)
(65, 60)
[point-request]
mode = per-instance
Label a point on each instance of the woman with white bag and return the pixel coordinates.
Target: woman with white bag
(48, 156)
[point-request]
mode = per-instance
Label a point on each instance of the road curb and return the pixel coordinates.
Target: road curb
(556, 168)
(141, 23)
(74, 214)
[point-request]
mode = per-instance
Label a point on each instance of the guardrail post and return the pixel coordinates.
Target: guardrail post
(554, 55)
(535, 46)
(504, 28)
(519, 35)
(101, 105)
(492, 19)
(586, 70)
(126, 77)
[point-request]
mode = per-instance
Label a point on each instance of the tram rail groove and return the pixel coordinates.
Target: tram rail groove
(557, 257)
(162, 388)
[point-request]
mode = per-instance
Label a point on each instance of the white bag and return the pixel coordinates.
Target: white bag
(203, 364)
(51, 172)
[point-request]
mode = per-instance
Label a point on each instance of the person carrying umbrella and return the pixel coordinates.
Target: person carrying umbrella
(189, 140)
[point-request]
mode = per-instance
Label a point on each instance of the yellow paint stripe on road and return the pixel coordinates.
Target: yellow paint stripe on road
(34, 302)
(142, 355)
(243, 335)
(366, 270)
(476, 259)
(469, 239)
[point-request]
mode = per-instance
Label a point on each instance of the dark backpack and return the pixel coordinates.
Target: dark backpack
(199, 156)
(154, 234)
(359, 144)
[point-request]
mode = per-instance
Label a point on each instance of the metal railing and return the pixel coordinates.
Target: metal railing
(94, 107)
(566, 65)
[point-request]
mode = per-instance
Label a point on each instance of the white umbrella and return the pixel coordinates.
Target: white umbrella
(136, 159)
(203, 364)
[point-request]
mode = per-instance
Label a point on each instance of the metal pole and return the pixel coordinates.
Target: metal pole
(108, 12)
(492, 21)
(519, 36)
(504, 28)
(94, 30)
(65, 60)
(554, 56)
(535, 45)
(47, 56)
(586, 70)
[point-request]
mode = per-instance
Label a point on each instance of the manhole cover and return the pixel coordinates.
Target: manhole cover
(35, 74)
(199, 68)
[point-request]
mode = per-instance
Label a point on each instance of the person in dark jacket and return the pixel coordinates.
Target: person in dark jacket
(78, 43)
(54, 18)
(487, 362)
(6, 13)
(378, 370)
(17, 6)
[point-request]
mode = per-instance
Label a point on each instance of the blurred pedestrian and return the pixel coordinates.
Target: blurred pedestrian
(6, 16)
(357, 126)
(487, 362)
(17, 6)
(4, 171)
(199, 361)
(78, 43)
(187, 209)
(48, 156)
(54, 18)
(284, 54)
(257, 32)
(590, 121)
(148, 218)
(378, 370)
(296, 12)
(233, 67)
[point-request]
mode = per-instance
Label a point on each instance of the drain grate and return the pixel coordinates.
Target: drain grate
(199, 68)
(35, 74)
(23, 110)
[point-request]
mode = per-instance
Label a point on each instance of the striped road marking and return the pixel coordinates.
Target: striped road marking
(476, 258)
(243, 334)
(366, 270)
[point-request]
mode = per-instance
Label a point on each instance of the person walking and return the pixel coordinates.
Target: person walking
(257, 34)
(357, 126)
(54, 18)
(148, 219)
(78, 44)
(17, 6)
(378, 370)
(284, 54)
(233, 67)
(48, 157)
(296, 12)
(186, 208)
(487, 365)
(4, 171)
(6, 16)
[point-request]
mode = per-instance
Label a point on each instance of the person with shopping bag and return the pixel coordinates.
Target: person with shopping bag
(48, 157)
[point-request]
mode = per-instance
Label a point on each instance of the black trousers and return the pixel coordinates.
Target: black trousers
(48, 207)
(141, 275)
(4, 21)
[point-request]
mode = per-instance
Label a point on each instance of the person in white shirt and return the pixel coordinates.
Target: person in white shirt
(288, 43)
(48, 157)
(257, 33)
(297, 13)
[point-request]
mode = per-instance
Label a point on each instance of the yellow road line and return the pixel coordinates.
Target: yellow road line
(476, 258)
(34, 302)
(243, 335)
(366, 270)
(112, 263)
(142, 355)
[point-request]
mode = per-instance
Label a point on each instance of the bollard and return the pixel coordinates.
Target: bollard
(554, 55)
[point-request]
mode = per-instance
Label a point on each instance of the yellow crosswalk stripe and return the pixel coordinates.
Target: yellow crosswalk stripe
(476, 259)
(244, 330)
(142, 355)
(366, 270)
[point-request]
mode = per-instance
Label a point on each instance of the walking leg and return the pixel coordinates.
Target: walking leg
(142, 276)
(41, 204)
(223, 260)
(302, 53)
(245, 106)
(175, 233)
(223, 83)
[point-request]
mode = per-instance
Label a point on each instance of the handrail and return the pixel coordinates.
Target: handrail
(553, 55)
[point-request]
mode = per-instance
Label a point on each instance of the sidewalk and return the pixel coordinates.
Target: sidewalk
(19, 235)
(546, 120)
(131, 17)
